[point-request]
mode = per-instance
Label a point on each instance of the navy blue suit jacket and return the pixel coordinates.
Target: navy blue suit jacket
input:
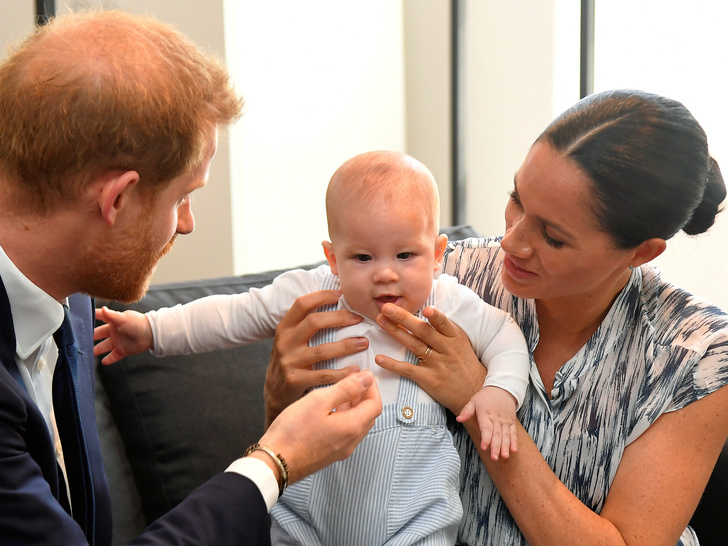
(228, 509)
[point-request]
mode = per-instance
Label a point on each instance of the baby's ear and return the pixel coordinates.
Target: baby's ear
(330, 256)
(440, 246)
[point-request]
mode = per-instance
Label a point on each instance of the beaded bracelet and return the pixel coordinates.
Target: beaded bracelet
(280, 462)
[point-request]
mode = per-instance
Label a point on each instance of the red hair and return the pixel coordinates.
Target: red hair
(101, 91)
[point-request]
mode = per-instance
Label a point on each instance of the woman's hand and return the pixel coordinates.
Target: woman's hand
(449, 370)
(290, 371)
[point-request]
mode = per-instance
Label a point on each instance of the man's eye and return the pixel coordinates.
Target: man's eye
(362, 257)
(514, 197)
(404, 255)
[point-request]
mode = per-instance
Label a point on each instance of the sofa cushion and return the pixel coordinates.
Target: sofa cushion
(183, 419)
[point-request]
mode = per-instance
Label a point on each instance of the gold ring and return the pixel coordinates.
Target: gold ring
(427, 353)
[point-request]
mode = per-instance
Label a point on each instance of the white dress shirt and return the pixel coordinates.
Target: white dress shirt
(36, 316)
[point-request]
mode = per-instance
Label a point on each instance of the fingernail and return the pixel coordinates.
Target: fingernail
(361, 343)
(366, 378)
(388, 310)
(385, 323)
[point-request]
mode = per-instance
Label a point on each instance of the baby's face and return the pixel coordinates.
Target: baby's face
(386, 256)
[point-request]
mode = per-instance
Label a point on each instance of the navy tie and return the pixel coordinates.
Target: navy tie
(70, 430)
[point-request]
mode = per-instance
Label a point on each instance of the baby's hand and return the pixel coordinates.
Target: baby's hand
(124, 334)
(495, 410)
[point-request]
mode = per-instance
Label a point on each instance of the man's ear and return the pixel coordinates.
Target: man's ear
(647, 251)
(330, 256)
(114, 194)
(440, 246)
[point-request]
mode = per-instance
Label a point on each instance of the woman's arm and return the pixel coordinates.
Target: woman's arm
(660, 478)
(290, 371)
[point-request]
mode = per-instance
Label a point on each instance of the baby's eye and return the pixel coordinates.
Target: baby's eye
(362, 257)
(404, 255)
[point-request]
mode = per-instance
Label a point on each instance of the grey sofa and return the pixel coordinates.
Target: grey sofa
(169, 424)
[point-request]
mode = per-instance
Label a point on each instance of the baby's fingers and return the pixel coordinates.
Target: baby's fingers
(466, 413)
(102, 332)
(111, 358)
(509, 441)
(513, 437)
(103, 347)
(496, 440)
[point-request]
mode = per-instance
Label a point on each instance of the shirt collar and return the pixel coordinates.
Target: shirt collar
(36, 315)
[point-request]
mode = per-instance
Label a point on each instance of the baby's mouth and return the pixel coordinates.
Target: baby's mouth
(381, 300)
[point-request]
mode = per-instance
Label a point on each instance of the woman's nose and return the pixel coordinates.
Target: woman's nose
(516, 239)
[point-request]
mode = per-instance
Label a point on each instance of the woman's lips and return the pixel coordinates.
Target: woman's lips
(381, 300)
(516, 271)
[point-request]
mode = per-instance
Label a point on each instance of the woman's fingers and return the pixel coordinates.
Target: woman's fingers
(290, 371)
(448, 370)
(302, 322)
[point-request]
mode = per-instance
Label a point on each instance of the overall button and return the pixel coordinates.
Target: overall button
(408, 413)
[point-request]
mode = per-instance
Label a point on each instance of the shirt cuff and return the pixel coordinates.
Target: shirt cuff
(260, 474)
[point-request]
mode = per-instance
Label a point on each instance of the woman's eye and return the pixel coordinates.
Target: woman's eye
(551, 241)
(362, 257)
(404, 255)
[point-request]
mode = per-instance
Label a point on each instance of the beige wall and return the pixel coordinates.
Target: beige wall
(323, 81)
(16, 20)
(520, 59)
(427, 88)
(327, 79)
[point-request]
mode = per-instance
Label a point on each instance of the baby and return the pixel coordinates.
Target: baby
(403, 480)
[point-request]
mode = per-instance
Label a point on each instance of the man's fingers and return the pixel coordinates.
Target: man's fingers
(329, 377)
(350, 388)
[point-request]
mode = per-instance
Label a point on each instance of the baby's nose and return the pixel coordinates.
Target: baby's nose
(385, 274)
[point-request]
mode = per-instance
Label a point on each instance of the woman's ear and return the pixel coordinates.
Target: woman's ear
(330, 256)
(440, 246)
(647, 251)
(114, 193)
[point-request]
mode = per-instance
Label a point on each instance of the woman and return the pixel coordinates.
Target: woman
(624, 419)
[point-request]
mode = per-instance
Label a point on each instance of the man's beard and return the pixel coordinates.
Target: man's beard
(122, 273)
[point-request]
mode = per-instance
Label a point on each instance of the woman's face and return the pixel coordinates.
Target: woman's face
(554, 247)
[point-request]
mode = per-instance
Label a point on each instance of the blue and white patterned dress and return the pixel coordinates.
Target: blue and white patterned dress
(658, 349)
